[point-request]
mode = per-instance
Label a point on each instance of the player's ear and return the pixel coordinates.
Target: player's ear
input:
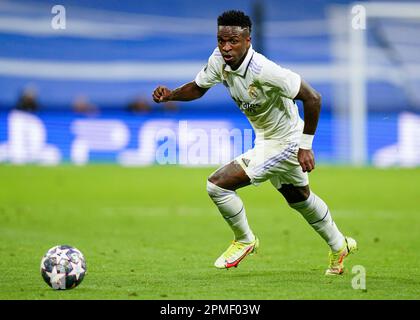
(246, 35)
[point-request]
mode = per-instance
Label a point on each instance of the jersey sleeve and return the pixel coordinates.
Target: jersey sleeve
(210, 74)
(287, 81)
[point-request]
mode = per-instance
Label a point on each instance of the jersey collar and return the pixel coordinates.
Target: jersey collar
(244, 65)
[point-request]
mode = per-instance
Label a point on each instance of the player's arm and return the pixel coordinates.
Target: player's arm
(311, 109)
(187, 92)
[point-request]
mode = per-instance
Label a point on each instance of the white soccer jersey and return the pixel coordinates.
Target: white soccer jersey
(264, 92)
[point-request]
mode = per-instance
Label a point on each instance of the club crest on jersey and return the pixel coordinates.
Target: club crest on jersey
(252, 91)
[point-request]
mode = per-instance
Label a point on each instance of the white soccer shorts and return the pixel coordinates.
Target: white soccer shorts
(271, 160)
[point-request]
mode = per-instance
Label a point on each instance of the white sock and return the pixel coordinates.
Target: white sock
(316, 212)
(233, 211)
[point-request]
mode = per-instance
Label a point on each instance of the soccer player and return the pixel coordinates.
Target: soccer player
(266, 93)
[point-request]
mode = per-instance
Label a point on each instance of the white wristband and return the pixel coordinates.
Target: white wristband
(306, 141)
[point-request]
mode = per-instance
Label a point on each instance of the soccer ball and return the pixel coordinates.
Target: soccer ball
(63, 267)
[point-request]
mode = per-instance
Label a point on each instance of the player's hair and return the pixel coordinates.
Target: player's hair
(234, 18)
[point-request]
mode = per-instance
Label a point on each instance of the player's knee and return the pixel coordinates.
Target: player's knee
(213, 179)
(217, 193)
(304, 193)
(212, 189)
(294, 194)
(219, 180)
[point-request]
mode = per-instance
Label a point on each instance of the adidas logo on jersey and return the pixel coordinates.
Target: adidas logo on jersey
(246, 162)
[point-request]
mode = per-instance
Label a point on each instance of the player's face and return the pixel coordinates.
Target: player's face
(233, 43)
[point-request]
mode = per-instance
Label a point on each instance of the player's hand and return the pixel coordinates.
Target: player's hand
(161, 94)
(306, 160)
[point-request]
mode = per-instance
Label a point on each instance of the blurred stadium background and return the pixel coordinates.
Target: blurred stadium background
(84, 92)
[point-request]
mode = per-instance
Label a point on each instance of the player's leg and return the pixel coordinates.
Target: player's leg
(253, 167)
(221, 186)
(230, 176)
(315, 211)
(317, 214)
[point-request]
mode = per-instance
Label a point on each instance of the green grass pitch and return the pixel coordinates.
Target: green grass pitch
(153, 233)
